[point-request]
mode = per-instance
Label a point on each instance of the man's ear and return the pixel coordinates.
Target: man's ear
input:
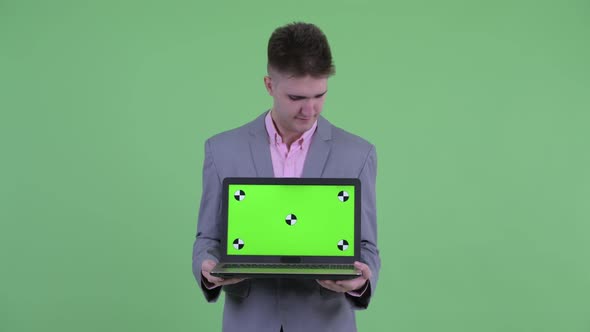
(268, 85)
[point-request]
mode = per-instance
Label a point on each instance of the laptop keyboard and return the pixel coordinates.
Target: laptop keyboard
(291, 266)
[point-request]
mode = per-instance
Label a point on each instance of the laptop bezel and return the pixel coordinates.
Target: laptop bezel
(295, 259)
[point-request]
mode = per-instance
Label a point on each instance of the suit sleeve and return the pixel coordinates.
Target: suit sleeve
(209, 229)
(369, 250)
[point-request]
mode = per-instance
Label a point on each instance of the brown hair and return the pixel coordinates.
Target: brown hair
(300, 49)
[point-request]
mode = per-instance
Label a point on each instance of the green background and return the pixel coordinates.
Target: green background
(259, 220)
(479, 111)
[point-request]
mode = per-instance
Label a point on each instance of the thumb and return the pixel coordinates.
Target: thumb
(208, 265)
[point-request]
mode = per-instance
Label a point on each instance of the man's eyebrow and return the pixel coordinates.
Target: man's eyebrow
(303, 97)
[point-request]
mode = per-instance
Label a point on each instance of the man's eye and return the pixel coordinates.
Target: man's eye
(295, 98)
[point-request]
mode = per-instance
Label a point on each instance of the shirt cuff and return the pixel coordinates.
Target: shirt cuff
(359, 292)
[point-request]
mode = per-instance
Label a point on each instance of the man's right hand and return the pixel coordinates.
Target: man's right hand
(212, 281)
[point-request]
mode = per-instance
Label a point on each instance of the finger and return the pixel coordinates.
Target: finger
(231, 281)
(331, 285)
(205, 271)
(206, 267)
(334, 284)
(360, 265)
(212, 279)
(321, 282)
(351, 285)
(325, 284)
(365, 270)
(328, 283)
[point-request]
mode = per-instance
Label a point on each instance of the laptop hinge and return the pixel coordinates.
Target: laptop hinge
(290, 259)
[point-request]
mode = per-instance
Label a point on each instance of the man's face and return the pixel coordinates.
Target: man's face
(298, 102)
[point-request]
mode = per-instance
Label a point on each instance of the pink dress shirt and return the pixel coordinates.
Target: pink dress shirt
(288, 163)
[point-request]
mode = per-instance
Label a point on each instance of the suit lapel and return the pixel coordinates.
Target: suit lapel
(259, 148)
(319, 150)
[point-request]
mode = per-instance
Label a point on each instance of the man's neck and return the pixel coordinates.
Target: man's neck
(288, 139)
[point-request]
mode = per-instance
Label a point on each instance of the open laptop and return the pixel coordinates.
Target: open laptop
(290, 228)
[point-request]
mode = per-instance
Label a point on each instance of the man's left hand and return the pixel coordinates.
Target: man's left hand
(343, 286)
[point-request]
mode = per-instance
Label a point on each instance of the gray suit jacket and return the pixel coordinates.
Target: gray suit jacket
(298, 305)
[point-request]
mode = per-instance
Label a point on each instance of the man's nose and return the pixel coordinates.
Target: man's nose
(308, 106)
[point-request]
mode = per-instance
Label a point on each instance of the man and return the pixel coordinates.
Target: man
(291, 140)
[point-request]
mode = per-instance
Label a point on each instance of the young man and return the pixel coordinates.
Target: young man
(290, 140)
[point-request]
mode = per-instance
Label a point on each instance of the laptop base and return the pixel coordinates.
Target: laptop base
(341, 273)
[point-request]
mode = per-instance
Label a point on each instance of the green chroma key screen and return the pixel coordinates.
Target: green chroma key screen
(301, 220)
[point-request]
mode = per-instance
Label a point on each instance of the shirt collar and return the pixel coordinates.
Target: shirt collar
(275, 138)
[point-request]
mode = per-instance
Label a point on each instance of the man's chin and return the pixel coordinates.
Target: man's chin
(304, 123)
(301, 129)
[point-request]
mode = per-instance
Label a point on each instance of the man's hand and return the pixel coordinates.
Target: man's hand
(343, 286)
(212, 281)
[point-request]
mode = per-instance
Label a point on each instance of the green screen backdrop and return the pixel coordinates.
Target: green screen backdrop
(479, 110)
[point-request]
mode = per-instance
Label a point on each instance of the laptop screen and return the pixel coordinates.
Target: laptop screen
(296, 218)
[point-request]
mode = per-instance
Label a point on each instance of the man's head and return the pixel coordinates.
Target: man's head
(299, 65)
(300, 49)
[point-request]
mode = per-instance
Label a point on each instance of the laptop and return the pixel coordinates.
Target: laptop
(290, 228)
